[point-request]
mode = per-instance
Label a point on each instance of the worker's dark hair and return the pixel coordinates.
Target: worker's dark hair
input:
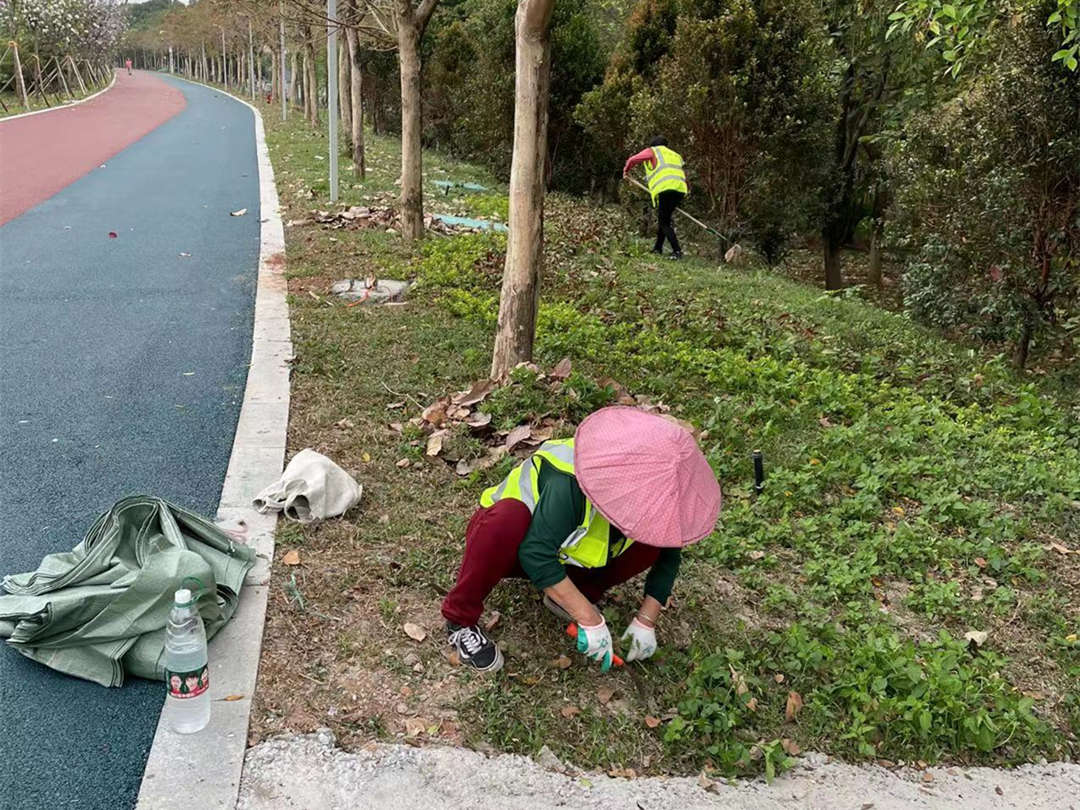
(659, 140)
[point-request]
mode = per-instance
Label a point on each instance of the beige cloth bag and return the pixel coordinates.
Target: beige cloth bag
(312, 488)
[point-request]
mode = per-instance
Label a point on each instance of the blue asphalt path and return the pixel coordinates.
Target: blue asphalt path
(122, 367)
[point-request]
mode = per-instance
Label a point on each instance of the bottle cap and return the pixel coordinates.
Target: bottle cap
(182, 597)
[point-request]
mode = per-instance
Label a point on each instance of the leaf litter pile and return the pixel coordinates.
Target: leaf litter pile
(462, 429)
(358, 217)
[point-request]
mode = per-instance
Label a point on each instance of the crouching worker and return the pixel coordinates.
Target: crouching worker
(579, 516)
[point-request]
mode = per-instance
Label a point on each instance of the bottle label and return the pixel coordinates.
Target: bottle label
(188, 684)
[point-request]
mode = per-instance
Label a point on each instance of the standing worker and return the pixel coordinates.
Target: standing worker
(564, 518)
(667, 187)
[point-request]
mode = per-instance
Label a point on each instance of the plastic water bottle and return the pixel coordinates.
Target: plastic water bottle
(187, 676)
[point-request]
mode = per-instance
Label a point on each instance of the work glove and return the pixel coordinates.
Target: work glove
(639, 641)
(595, 643)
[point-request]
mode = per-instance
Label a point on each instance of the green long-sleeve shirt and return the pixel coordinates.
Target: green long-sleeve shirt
(560, 509)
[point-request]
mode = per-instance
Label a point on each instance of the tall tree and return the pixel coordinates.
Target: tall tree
(519, 299)
(410, 22)
(874, 72)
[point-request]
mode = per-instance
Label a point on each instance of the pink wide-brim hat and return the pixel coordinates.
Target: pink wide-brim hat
(647, 476)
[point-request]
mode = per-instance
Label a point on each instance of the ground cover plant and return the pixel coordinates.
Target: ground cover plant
(904, 588)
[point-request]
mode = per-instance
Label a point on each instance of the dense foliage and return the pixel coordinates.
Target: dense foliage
(469, 87)
(988, 204)
(743, 89)
(940, 136)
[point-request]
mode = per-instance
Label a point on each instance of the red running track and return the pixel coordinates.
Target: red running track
(41, 154)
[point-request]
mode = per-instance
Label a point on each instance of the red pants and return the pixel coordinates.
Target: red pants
(491, 555)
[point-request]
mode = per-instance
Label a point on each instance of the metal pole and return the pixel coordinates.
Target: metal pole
(251, 60)
(284, 105)
(224, 58)
(332, 94)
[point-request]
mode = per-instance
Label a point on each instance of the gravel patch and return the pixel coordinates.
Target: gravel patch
(307, 771)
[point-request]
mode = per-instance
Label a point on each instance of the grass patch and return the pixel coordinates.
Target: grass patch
(916, 489)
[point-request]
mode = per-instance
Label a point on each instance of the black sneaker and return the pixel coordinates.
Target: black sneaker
(474, 648)
(657, 251)
(676, 256)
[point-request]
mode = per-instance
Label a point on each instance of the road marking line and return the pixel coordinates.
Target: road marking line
(213, 759)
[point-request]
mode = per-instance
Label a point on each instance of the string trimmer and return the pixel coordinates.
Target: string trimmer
(690, 217)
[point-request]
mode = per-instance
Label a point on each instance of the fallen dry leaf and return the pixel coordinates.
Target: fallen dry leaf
(704, 782)
(344, 423)
(604, 694)
(739, 681)
(979, 561)
(569, 711)
(479, 391)
(365, 457)
(790, 747)
(756, 554)
(976, 637)
(414, 631)
(478, 419)
(563, 662)
(415, 726)
(492, 620)
(454, 658)
(928, 777)
(403, 463)
(778, 678)
(435, 442)
(397, 427)
(562, 369)
(231, 698)
(751, 704)
(1060, 549)
(794, 704)
(652, 722)
(517, 436)
(292, 557)
(239, 213)
(435, 413)
(494, 455)
(824, 422)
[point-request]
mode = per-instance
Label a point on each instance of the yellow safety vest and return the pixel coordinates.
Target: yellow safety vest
(665, 173)
(588, 546)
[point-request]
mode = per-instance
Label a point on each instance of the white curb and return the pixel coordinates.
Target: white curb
(205, 768)
(66, 106)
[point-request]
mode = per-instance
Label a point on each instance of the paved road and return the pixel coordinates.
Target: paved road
(122, 364)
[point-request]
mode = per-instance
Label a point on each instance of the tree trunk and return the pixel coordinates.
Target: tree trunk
(311, 81)
(1023, 346)
(20, 81)
(63, 78)
(412, 202)
(356, 88)
(834, 278)
(79, 79)
(344, 91)
(275, 82)
(293, 79)
(520, 294)
(874, 275)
